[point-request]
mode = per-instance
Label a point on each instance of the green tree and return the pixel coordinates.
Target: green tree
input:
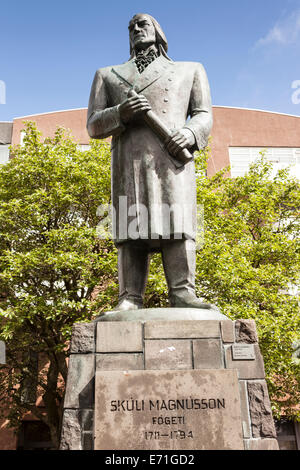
(51, 261)
(250, 263)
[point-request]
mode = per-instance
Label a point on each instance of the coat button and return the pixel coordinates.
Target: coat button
(166, 100)
(167, 89)
(170, 79)
(164, 111)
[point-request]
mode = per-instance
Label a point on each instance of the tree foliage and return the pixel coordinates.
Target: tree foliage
(51, 262)
(249, 265)
(54, 269)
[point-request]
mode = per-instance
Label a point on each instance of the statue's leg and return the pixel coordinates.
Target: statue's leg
(179, 261)
(133, 265)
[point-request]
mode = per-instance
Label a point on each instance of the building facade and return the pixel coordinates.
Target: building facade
(238, 135)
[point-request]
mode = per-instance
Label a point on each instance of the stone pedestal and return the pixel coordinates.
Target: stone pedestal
(160, 382)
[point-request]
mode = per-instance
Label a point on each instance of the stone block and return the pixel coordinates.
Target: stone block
(184, 329)
(168, 354)
(71, 431)
(245, 331)
(263, 444)
(83, 338)
(119, 337)
(87, 441)
(86, 419)
(80, 383)
(228, 331)
(182, 410)
(245, 409)
(247, 369)
(119, 361)
(208, 354)
(260, 410)
(246, 444)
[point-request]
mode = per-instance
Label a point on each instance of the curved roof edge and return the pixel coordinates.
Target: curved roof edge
(214, 106)
(50, 112)
(257, 110)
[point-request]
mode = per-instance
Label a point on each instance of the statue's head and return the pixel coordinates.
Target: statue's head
(145, 31)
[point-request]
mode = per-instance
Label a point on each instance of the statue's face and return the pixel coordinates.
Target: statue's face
(141, 32)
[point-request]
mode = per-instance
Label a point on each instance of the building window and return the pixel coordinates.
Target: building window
(281, 158)
(34, 435)
(4, 153)
(288, 434)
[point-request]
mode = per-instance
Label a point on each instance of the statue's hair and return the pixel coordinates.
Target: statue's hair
(161, 40)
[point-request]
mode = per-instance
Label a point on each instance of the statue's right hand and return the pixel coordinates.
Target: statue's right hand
(130, 107)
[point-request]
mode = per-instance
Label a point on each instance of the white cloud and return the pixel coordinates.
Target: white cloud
(284, 32)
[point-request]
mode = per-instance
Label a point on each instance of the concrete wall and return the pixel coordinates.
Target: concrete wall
(74, 119)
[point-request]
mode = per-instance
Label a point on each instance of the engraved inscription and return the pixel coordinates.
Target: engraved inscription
(133, 405)
(182, 404)
(164, 409)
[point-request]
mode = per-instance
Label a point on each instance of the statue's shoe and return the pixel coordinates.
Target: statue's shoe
(127, 304)
(189, 300)
(123, 306)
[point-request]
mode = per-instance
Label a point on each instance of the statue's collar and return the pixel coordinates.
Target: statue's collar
(129, 73)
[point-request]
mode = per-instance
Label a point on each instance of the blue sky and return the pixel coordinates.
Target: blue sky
(51, 50)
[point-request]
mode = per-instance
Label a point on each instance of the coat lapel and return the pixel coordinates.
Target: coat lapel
(130, 74)
(126, 71)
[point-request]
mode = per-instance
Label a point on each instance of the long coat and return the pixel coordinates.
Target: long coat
(151, 197)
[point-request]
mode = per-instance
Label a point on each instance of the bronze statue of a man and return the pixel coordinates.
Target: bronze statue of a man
(151, 187)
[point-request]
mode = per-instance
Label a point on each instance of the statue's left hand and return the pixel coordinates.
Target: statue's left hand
(181, 139)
